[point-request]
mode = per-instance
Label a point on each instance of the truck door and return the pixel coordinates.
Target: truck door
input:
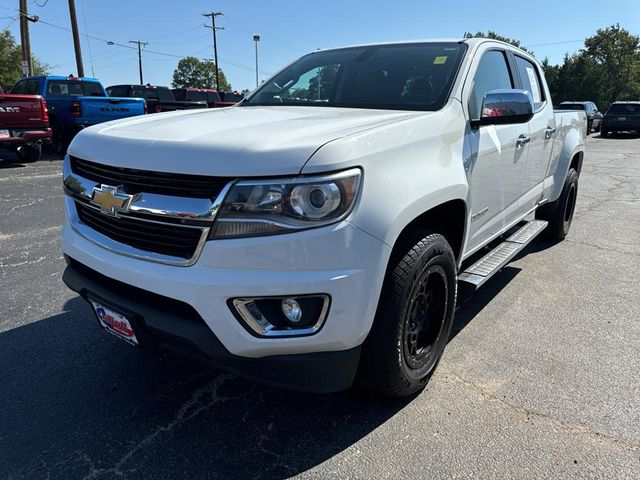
(542, 129)
(496, 153)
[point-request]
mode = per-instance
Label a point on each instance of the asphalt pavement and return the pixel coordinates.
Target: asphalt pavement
(541, 378)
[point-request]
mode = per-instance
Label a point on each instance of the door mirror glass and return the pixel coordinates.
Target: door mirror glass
(501, 107)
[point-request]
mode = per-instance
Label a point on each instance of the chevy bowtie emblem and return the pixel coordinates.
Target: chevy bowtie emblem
(111, 200)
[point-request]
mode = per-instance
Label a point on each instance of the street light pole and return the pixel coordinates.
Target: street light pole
(256, 39)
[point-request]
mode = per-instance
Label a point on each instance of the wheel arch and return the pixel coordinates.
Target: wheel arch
(447, 219)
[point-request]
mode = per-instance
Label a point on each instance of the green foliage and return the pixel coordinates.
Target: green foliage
(606, 70)
(494, 36)
(192, 72)
(11, 61)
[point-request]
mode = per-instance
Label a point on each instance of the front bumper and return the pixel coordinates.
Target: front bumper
(181, 328)
(340, 260)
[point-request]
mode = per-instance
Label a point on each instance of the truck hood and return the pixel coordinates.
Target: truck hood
(235, 141)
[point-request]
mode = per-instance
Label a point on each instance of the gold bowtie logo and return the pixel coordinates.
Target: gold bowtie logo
(111, 200)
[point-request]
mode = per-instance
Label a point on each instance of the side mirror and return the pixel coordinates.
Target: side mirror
(501, 107)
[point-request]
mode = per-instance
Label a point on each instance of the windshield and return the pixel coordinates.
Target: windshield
(624, 108)
(398, 77)
(571, 106)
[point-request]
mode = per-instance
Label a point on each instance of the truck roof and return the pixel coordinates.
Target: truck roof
(473, 41)
(61, 77)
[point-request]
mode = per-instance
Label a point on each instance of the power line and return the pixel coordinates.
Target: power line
(556, 43)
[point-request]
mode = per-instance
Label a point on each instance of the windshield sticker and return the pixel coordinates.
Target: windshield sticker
(439, 60)
(533, 80)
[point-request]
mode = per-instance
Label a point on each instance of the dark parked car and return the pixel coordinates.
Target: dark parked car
(198, 95)
(621, 117)
(159, 99)
(594, 117)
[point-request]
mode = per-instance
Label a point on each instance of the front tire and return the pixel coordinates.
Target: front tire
(414, 317)
(559, 214)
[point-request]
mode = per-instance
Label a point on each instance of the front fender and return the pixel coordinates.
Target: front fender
(409, 167)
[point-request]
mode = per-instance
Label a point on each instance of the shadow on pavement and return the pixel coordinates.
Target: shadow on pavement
(76, 402)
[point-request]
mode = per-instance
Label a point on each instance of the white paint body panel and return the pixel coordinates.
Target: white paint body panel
(411, 162)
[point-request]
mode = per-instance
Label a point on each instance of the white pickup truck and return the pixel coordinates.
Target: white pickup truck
(314, 235)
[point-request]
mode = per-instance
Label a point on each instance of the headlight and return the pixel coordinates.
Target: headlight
(265, 207)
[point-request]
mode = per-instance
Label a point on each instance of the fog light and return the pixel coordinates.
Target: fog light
(291, 310)
(281, 316)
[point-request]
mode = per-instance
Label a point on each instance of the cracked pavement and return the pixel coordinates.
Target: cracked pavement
(541, 377)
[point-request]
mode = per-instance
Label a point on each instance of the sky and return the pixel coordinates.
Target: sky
(289, 29)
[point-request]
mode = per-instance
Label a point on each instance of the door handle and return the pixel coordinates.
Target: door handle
(549, 132)
(522, 141)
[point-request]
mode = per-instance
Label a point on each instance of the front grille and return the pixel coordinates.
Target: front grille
(166, 239)
(138, 181)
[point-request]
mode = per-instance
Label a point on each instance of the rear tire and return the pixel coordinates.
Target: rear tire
(414, 317)
(604, 133)
(29, 153)
(559, 214)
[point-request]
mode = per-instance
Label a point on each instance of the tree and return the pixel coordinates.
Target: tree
(617, 53)
(11, 61)
(494, 36)
(192, 72)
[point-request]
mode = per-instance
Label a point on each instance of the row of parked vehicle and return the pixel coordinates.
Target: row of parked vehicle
(619, 117)
(54, 108)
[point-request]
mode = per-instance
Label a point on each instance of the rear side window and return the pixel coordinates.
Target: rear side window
(20, 87)
(92, 89)
(492, 74)
(118, 91)
(165, 95)
(152, 94)
(213, 97)
(139, 92)
(195, 96)
(530, 78)
(32, 87)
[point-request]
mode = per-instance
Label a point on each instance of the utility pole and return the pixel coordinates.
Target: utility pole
(25, 42)
(213, 27)
(76, 37)
(140, 45)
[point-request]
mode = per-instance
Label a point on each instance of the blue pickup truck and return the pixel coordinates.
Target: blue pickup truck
(75, 103)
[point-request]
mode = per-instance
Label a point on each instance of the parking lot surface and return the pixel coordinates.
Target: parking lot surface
(541, 377)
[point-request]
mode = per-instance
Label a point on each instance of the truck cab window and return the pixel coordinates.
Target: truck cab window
(530, 78)
(492, 74)
(19, 88)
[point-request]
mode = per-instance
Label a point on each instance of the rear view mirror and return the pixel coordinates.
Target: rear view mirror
(501, 107)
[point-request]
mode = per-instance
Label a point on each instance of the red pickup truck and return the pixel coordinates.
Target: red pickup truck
(24, 125)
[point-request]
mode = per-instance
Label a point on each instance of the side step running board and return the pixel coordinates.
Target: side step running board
(492, 262)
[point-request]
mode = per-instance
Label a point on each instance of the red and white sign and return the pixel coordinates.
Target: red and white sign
(115, 323)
